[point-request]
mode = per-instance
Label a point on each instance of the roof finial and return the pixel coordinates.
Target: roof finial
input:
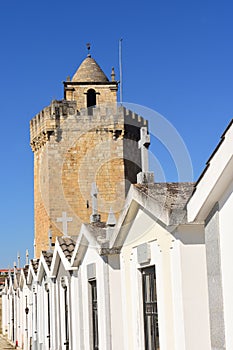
(27, 257)
(113, 76)
(18, 258)
(88, 49)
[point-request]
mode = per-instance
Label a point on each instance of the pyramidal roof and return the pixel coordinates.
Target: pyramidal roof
(89, 71)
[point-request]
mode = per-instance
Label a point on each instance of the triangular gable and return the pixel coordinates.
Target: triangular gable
(81, 246)
(32, 272)
(92, 235)
(6, 286)
(164, 202)
(16, 279)
(10, 285)
(23, 276)
(63, 251)
(44, 264)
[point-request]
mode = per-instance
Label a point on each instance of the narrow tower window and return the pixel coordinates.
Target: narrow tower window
(91, 99)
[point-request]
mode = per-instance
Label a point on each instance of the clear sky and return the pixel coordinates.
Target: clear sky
(177, 60)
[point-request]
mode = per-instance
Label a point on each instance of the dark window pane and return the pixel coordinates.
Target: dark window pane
(94, 311)
(150, 309)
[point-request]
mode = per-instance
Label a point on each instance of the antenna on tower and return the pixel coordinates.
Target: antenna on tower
(120, 70)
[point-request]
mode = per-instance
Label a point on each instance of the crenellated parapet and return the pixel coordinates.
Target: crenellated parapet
(47, 122)
(115, 119)
(73, 149)
(112, 118)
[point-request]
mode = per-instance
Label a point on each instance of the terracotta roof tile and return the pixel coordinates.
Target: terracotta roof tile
(67, 245)
(48, 256)
(17, 275)
(25, 270)
(35, 264)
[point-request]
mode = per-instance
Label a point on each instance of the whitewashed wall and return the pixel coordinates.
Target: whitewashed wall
(226, 244)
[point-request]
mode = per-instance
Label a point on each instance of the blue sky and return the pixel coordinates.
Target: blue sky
(177, 60)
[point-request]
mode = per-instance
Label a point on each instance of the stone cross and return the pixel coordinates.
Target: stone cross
(95, 217)
(64, 219)
(94, 193)
(144, 176)
(143, 144)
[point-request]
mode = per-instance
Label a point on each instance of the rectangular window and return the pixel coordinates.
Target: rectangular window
(151, 329)
(94, 314)
(48, 305)
(66, 318)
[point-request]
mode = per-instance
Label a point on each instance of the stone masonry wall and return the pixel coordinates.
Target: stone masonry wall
(83, 149)
(105, 94)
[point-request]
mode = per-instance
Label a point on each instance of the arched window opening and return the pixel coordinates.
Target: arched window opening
(91, 99)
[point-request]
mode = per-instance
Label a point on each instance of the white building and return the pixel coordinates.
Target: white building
(163, 270)
(211, 206)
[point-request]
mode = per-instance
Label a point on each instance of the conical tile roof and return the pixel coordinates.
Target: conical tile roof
(89, 71)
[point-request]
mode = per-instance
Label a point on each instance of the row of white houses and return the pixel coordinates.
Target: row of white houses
(160, 278)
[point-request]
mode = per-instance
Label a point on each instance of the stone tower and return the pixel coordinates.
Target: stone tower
(83, 139)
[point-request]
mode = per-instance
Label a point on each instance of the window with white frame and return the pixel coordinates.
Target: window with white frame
(94, 314)
(150, 313)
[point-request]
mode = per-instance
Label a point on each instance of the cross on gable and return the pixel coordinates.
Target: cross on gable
(64, 220)
(145, 176)
(143, 144)
(144, 138)
(95, 217)
(94, 190)
(94, 193)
